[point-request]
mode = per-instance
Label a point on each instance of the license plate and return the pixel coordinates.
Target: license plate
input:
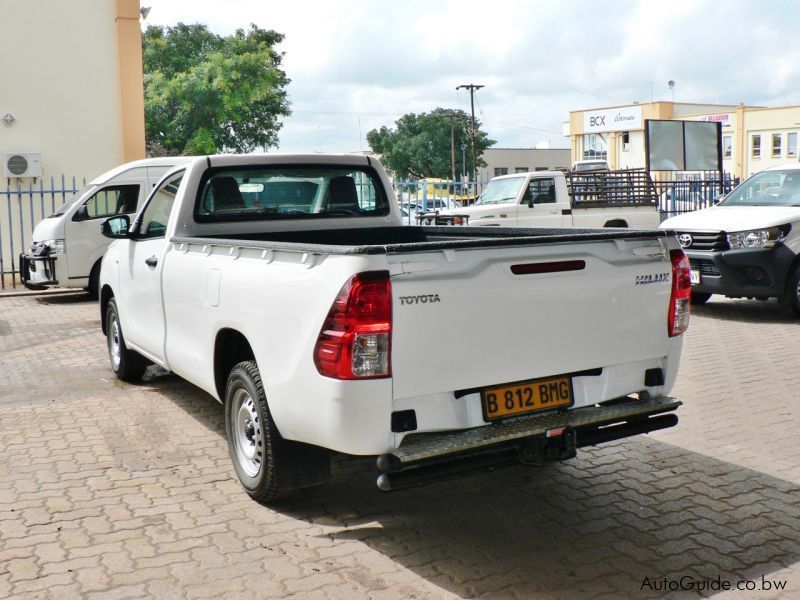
(528, 397)
(694, 276)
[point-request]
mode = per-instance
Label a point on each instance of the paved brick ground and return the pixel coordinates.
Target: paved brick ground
(110, 490)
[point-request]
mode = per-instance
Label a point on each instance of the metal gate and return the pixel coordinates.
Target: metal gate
(22, 206)
(681, 192)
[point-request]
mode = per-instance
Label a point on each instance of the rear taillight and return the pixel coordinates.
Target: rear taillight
(680, 299)
(356, 339)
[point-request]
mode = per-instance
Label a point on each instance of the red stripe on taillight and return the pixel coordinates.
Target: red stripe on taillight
(680, 298)
(548, 267)
(355, 340)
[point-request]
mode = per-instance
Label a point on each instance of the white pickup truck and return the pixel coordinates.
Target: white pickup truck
(749, 244)
(286, 287)
(585, 199)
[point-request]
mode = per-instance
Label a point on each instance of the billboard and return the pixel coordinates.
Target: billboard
(612, 119)
(683, 145)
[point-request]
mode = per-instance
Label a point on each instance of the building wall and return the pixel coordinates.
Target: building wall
(779, 121)
(72, 79)
(529, 159)
(739, 124)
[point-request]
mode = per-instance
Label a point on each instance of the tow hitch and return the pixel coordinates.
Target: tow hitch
(558, 444)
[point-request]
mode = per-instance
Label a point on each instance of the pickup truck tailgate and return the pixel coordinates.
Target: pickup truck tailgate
(469, 318)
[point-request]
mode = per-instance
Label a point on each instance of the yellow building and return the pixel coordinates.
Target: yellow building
(72, 89)
(753, 137)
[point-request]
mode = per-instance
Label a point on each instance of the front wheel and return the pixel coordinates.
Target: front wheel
(126, 364)
(790, 301)
(267, 466)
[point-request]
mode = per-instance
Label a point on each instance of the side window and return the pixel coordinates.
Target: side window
(540, 191)
(153, 223)
(112, 200)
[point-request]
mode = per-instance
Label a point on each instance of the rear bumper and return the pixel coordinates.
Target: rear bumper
(427, 456)
(742, 272)
(38, 272)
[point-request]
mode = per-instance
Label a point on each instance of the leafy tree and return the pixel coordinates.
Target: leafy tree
(420, 144)
(206, 94)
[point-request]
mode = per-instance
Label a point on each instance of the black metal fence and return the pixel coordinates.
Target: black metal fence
(680, 192)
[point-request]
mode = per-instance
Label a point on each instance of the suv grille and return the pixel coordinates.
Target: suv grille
(712, 241)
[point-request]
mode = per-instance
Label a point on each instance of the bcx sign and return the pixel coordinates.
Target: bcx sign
(613, 119)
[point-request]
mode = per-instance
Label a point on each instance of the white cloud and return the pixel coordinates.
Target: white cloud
(356, 65)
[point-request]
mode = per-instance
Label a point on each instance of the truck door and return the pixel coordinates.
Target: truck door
(140, 278)
(85, 243)
(538, 207)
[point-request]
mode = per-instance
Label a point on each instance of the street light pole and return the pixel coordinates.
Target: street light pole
(453, 150)
(472, 88)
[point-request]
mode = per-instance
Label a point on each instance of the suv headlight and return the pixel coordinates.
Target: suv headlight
(758, 238)
(56, 246)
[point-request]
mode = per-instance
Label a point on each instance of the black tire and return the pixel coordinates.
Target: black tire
(790, 301)
(268, 467)
(126, 364)
(699, 298)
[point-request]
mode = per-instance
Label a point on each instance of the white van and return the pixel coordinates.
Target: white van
(67, 246)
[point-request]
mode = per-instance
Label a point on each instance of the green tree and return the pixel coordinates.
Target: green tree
(420, 144)
(205, 93)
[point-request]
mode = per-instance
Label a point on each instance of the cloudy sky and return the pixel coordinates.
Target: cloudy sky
(356, 64)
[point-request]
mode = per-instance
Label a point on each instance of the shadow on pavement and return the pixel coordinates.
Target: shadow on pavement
(617, 521)
(77, 297)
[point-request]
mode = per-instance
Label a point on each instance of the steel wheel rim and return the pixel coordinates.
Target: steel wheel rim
(248, 435)
(114, 345)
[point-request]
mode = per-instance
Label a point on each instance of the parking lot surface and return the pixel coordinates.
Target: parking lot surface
(110, 490)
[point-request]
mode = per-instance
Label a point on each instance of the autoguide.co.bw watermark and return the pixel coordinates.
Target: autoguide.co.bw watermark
(695, 584)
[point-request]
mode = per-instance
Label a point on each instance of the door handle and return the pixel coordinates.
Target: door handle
(151, 262)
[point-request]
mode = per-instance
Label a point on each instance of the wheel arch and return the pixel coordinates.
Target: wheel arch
(230, 348)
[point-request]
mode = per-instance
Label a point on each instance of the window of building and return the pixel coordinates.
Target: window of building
(727, 146)
(777, 138)
(542, 168)
(500, 171)
(791, 144)
(520, 169)
(756, 145)
(594, 146)
(626, 141)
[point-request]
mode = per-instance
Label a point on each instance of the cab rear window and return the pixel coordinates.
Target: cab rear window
(287, 192)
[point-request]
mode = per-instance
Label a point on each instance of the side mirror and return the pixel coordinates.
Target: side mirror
(82, 214)
(116, 227)
(530, 203)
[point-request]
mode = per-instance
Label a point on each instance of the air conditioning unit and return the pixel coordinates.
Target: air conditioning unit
(22, 164)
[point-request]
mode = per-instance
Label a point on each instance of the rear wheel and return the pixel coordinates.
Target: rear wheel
(699, 298)
(126, 364)
(268, 466)
(790, 301)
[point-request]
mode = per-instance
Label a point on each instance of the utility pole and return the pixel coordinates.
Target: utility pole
(453, 149)
(472, 88)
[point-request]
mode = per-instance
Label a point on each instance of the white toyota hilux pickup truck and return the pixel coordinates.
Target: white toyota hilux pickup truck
(286, 287)
(749, 244)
